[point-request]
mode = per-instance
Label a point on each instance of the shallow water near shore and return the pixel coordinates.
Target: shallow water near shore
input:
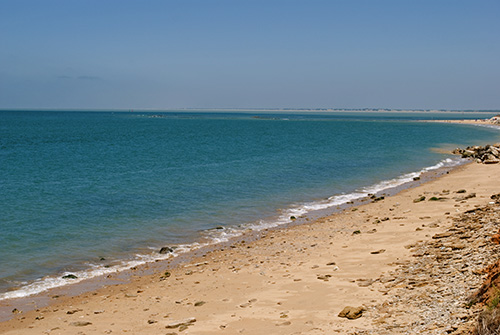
(88, 193)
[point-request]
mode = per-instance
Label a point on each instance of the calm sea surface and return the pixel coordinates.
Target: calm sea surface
(80, 191)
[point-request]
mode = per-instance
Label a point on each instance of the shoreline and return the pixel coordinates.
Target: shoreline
(285, 279)
(316, 209)
(478, 122)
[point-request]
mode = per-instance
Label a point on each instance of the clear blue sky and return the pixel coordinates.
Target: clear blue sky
(422, 54)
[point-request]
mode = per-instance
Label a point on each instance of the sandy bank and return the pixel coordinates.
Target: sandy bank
(291, 281)
(483, 122)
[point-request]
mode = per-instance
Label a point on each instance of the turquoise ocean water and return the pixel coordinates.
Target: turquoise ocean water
(77, 187)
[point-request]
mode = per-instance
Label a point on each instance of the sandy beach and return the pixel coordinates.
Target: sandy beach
(479, 122)
(290, 281)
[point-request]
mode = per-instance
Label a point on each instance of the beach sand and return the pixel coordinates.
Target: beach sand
(294, 280)
(479, 122)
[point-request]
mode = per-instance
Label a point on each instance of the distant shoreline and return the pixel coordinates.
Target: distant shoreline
(484, 122)
(285, 110)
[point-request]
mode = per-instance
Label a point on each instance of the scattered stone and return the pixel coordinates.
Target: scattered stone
(437, 198)
(442, 235)
(457, 246)
(73, 311)
(80, 323)
(165, 275)
(356, 232)
(128, 295)
(377, 252)
(179, 323)
(352, 313)
(472, 195)
(199, 303)
(364, 282)
(419, 199)
(431, 294)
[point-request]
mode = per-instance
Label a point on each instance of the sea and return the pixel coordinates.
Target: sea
(86, 193)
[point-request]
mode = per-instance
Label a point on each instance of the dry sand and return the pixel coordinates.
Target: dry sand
(290, 281)
(479, 122)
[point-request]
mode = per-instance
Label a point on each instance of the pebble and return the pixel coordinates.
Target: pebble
(80, 323)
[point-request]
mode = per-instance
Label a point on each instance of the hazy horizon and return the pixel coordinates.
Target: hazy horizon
(222, 54)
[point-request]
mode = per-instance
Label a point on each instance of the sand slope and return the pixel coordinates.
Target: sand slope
(291, 281)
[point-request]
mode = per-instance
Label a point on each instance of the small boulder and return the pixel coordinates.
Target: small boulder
(352, 313)
(166, 250)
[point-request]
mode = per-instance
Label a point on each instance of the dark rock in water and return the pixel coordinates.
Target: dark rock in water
(293, 217)
(70, 276)
(166, 250)
(351, 313)
(416, 178)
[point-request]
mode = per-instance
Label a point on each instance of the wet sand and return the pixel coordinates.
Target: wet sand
(290, 281)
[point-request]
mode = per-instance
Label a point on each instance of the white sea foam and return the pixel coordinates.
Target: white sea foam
(223, 235)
